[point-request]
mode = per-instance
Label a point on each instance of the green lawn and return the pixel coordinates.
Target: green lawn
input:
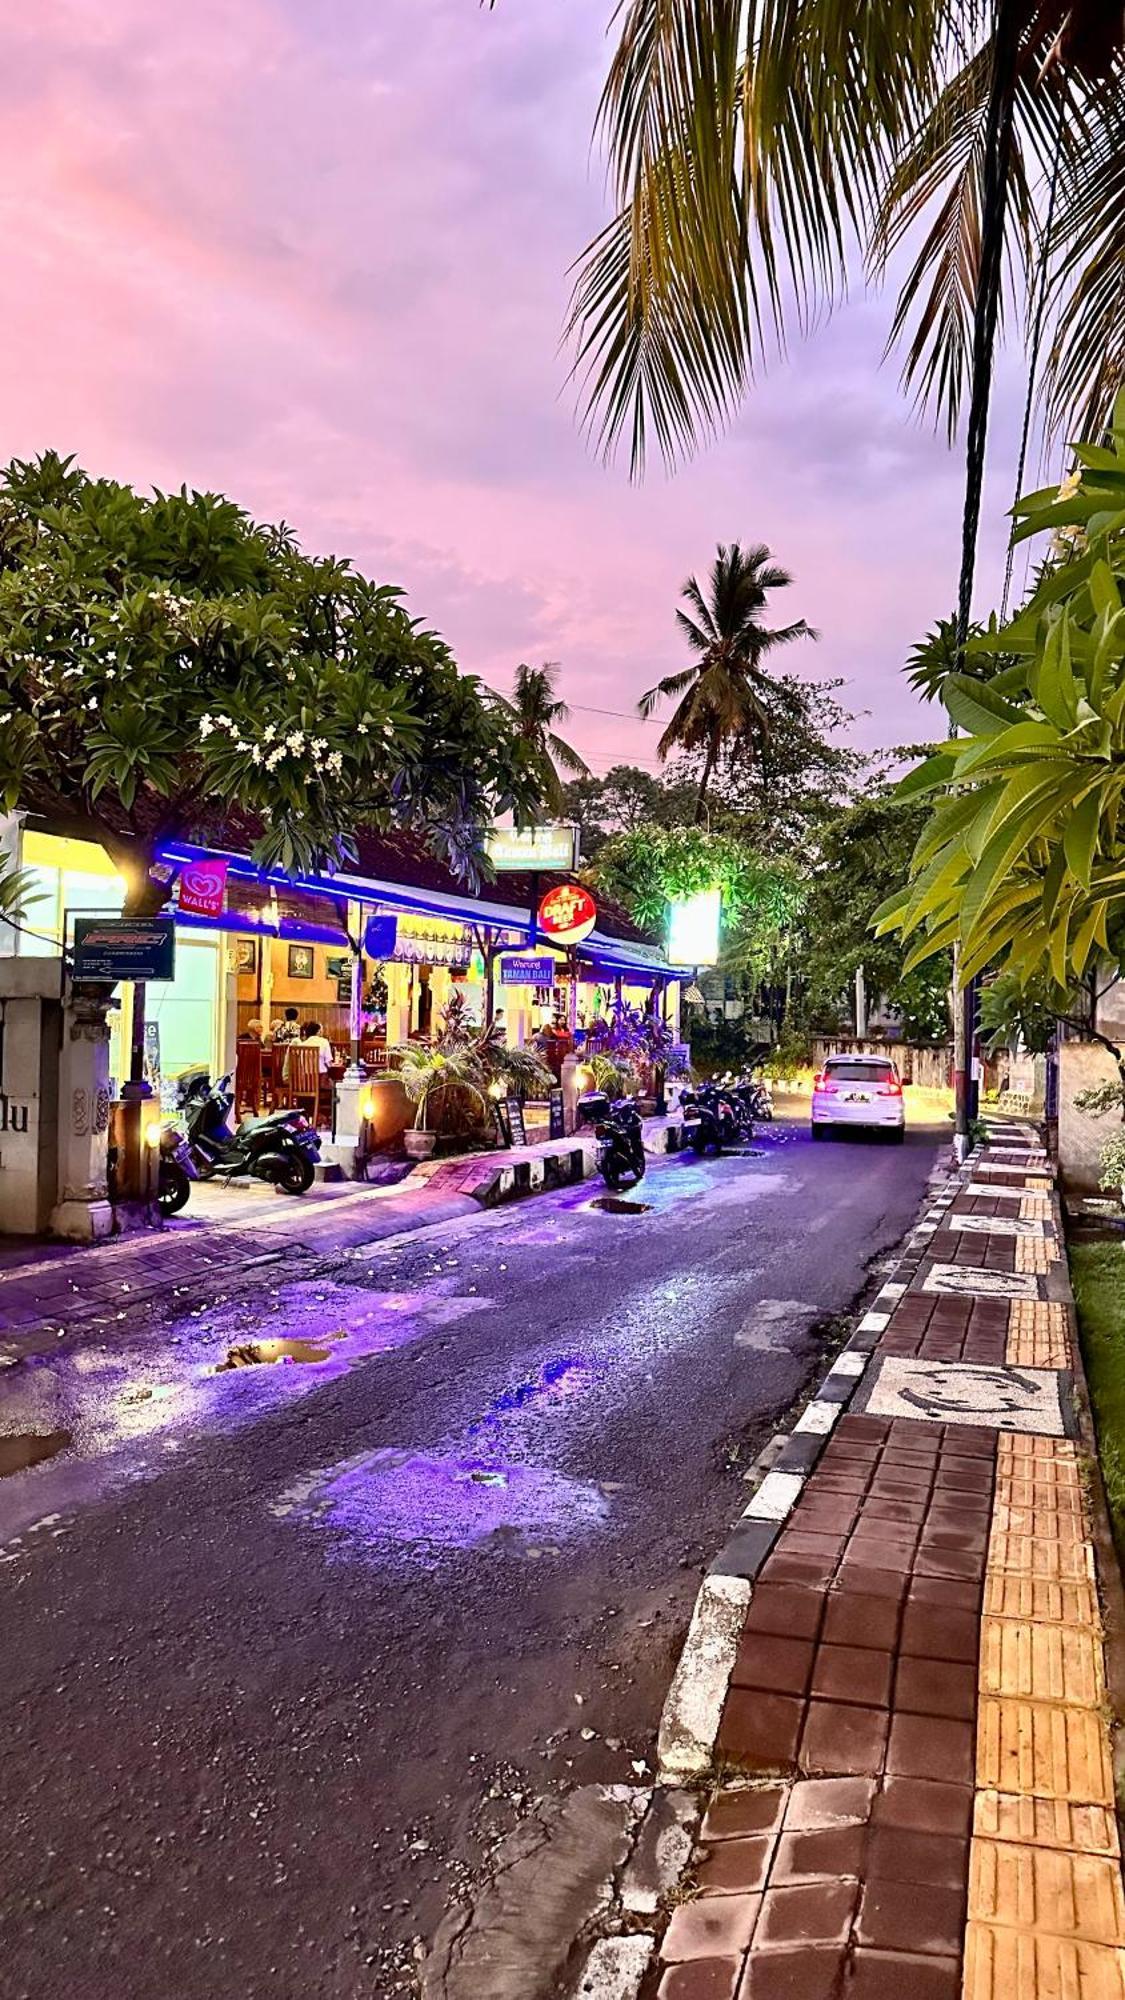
(1097, 1272)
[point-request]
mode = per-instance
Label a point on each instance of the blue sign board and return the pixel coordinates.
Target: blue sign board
(380, 939)
(113, 948)
(537, 971)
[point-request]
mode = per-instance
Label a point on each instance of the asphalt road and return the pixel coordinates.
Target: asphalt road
(287, 1648)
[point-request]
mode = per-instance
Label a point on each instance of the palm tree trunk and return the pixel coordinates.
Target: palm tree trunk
(997, 175)
(708, 767)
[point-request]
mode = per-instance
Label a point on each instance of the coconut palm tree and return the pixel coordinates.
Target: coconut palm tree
(536, 709)
(726, 699)
(751, 145)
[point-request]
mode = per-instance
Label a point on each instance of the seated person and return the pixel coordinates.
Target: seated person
(313, 1035)
(255, 1032)
(289, 1029)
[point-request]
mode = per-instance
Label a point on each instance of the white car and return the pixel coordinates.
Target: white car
(858, 1090)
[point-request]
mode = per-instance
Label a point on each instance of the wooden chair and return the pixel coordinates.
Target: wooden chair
(248, 1077)
(302, 1082)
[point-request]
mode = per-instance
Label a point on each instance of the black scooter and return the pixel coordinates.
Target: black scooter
(711, 1123)
(282, 1147)
(620, 1137)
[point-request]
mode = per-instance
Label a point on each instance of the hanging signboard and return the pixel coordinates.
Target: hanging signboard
(381, 937)
(202, 888)
(567, 914)
(530, 850)
(113, 948)
(536, 971)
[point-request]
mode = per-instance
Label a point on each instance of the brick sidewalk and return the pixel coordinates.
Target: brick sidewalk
(917, 1796)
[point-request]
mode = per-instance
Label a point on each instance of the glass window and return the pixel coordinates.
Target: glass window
(859, 1072)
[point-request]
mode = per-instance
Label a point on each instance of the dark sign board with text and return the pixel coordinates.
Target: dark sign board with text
(113, 948)
(515, 1121)
(557, 1127)
(538, 970)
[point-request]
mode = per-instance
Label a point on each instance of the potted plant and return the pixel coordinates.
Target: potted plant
(441, 1083)
(1112, 1165)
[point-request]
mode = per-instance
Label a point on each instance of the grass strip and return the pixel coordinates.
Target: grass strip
(1097, 1272)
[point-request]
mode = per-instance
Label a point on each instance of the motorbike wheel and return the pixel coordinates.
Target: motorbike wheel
(173, 1188)
(700, 1142)
(297, 1175)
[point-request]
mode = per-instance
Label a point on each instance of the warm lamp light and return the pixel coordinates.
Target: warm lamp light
(152, 1132)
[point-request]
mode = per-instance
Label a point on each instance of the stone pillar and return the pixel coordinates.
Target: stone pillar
(83, 1210)
(571, 1092)
(398, 1003)
(11, 830)
(441, 986)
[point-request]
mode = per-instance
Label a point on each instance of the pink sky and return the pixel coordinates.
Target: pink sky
(314, 253)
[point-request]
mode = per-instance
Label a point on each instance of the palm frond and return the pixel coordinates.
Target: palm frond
(1086, 365)
(671, 684)
(566, 757)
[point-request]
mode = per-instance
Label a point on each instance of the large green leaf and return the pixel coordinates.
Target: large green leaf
(975, 708)
(1080, 837)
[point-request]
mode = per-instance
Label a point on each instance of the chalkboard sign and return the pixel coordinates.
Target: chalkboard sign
(555, 1112)
(503, 1124)
(515, 1120)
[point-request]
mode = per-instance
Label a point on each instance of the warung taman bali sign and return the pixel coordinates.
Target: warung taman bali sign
(531, 850)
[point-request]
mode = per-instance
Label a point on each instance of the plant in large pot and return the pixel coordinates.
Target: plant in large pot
(446, 1085)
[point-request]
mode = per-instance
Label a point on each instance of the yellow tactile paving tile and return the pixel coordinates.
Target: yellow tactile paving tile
(1059, 1663)
(1047, 1889)
(1033, 1822)
(1029, 1444)
(1043, 1599)
(1039, 1335)
(1064, 1559)
(1005, 1964)
(1035, 1254)
(1038, 1523)
(1055, 1753)
(1035, 1207)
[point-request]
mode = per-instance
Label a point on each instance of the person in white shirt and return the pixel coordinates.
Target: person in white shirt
(313, 1035)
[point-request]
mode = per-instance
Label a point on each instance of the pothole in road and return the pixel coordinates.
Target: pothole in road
(616, 1204)
(29, 1448)
(252, 1353)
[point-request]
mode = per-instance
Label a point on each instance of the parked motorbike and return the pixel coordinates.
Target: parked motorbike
(710, 1122)
(618, 1130)
(283, 1147)
(176, 1169)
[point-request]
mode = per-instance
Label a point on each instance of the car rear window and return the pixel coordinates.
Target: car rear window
(859, 1072)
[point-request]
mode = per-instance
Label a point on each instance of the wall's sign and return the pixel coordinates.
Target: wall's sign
(113, 948)
(202, 888)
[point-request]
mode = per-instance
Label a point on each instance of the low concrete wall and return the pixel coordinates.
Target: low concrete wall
(1082, 1137)
(929, 1065)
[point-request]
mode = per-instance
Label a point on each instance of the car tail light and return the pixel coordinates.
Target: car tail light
(824, 1084)
(890, 1090)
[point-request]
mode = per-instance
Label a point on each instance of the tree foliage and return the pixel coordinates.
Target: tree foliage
(761, 899)
(166, 663)
(1023, 856)
(750, 145)
(864, 853)
(726, 701)
(535, 709)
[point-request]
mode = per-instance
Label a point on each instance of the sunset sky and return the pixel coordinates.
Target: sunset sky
(314, 253)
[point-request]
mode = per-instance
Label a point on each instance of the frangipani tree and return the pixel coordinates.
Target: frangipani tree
(167, 664)
(1023, 858)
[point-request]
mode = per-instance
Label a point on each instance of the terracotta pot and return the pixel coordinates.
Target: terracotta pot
(419, 1145)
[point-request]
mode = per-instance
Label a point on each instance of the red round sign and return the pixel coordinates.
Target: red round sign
(567, 914)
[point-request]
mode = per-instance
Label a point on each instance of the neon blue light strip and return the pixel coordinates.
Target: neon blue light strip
(422, 903)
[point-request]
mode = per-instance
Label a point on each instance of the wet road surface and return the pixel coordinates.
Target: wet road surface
(288, 1647)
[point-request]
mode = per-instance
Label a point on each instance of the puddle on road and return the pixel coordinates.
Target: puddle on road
(616, 1204)
(253, 1353)
(29, 1448)
(433, 1505)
